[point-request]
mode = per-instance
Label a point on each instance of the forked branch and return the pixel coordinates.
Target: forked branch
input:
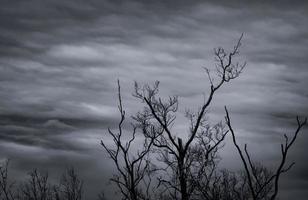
(255, 185)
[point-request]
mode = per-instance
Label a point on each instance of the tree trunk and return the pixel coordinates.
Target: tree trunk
(182, 173)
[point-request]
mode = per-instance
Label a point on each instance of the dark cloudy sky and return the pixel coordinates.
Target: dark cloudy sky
(59, 62)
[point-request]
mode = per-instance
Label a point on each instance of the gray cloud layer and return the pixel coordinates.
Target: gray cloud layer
(59, 61)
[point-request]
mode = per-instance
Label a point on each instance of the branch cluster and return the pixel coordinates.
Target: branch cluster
(187, 167)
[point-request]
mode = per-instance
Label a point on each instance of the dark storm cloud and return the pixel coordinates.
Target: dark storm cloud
(26, 131)
(59, 61)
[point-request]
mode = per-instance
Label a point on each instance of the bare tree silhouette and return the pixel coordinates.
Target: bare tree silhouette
(71, 187)
(36, 187)
(188, 168)
(185, 160)
(6, 187)
(261, 184)
(182, 157)
(134, 167)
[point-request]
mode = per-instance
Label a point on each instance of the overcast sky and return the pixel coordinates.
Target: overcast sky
(59, 62)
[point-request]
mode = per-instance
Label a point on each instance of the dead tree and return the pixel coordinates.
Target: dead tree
(176, 153)
(6, 187)
(263, 185)
(71, 187)
(37, 187)
(133, 166)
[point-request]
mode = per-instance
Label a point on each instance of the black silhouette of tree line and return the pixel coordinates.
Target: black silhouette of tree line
(153, 162)
(39, 187)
